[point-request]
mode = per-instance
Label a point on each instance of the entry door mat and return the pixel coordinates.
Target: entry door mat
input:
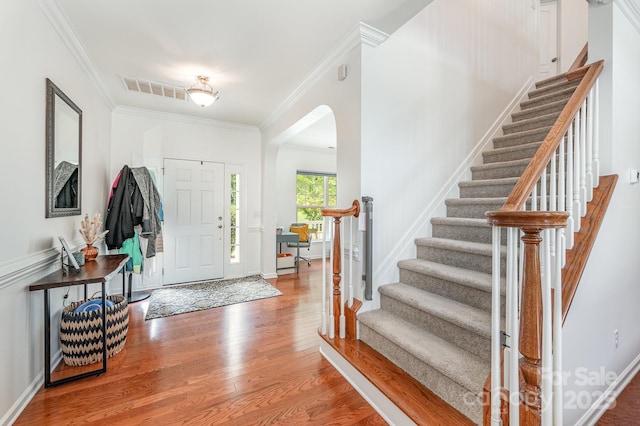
(183, 298)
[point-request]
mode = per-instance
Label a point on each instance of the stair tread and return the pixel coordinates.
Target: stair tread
(470, 278)
(459, 365)
(475, 200)
(531, 132)
(500, 164)
(533, 110)
(547, 81)
(535, 119)
(554, 88)
(485, 182)
(516, 148)
(460, 221)
(457, 313)
(543, 99)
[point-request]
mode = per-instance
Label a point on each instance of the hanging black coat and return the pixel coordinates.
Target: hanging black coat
(119, 220)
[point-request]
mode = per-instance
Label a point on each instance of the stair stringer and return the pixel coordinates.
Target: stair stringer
(387, 270)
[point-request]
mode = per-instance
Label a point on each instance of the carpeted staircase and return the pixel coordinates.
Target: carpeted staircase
(436, 322)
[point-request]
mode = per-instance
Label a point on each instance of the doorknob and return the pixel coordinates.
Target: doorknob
(554, 60)
(220, 226)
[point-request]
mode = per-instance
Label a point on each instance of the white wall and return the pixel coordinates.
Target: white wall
(31, 51)
(290, 160)
(430, 92)
(145, 138)
(608, 297)
(574, 30)
(343, 98)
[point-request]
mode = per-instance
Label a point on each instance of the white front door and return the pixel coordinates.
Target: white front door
(194, 219)
(548, 38)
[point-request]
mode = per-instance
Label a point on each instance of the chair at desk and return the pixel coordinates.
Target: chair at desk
(302, 229)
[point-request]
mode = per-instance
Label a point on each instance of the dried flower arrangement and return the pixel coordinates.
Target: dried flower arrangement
(90, 229)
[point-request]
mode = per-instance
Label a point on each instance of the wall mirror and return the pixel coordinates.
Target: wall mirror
(64, 154)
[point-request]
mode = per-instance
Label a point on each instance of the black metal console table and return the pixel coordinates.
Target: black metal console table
(103, 269)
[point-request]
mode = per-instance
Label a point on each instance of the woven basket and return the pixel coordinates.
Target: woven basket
(81, 332)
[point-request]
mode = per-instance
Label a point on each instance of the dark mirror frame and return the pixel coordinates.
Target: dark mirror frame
(52, 211)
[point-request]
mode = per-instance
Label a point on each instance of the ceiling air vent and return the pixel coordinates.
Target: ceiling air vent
(151, 87)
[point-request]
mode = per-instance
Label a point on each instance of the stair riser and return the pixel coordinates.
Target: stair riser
(471, 296)
(476, 234)
(536, 112)
(515, 139)
(472, 210)
(468, 340)
(544, 91)
(520, 154)
(543, 100)
(460, 259)
(522, 126)
(452, 392)
(498, 172)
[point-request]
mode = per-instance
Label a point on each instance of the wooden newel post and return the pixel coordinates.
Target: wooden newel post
(337, 215)
(337, 270)
(532, 223)
(531, 329)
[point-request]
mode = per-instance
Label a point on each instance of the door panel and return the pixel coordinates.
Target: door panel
(548, 40)
(194, 207)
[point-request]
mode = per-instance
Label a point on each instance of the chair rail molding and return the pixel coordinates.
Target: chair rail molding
(19, 269)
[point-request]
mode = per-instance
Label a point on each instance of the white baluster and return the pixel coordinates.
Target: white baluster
(577, 206)
(496, 387)
(553, 201)
(543, 190)
(534, 199)
(513, 300)
(596, 135)
(569, 179)
(323, 328)
(583, 160)
(561, 195)
(589, 153)
(547, 360)
(557, 339)
(332, 318)
(350, 261)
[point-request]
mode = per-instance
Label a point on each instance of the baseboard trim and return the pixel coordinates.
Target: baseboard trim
(388, 266)
(21, 403)
(387, 409)
(609, 396)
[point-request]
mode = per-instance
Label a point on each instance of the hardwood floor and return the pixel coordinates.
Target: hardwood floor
(251, 363)
(626, 410)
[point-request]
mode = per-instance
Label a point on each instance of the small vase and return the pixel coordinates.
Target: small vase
(90, 253)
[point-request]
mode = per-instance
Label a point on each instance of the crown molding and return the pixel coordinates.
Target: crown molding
(62, 26)
(630, 9)
(187, 119)
(361, 34)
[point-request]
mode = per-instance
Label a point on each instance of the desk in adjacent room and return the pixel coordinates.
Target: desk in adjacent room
(101, 270)
(288, 237)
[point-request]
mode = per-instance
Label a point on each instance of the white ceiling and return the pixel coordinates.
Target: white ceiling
(257, 52)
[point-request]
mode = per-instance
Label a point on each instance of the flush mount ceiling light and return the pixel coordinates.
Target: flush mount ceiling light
(201, 93)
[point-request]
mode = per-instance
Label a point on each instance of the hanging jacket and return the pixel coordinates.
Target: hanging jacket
(119, 220)
(150, 220)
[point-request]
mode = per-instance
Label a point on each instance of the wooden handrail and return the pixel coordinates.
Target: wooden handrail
(532, 223)
(337, 215)
(538, 164)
